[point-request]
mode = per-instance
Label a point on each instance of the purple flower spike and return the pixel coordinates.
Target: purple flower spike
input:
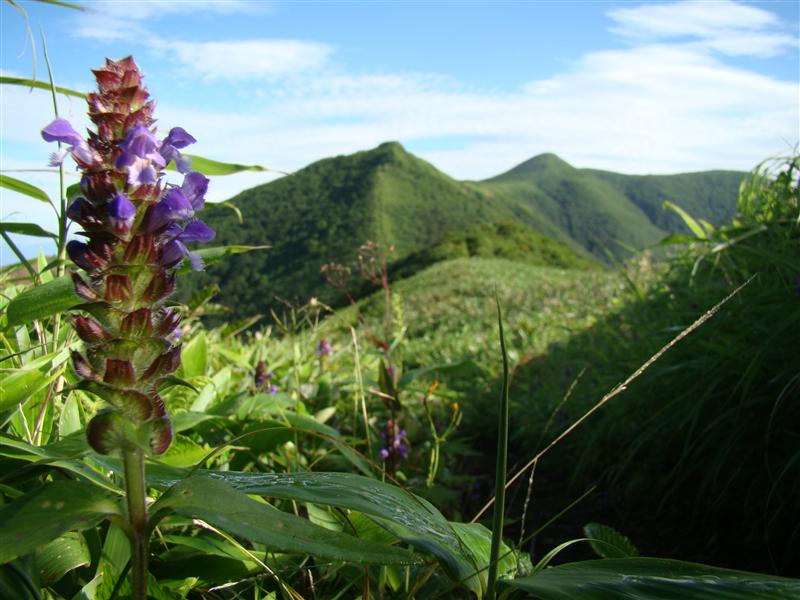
(121, 213)
(194, 188)
(61, 131)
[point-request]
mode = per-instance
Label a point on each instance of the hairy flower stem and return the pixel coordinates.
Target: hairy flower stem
(137, 516)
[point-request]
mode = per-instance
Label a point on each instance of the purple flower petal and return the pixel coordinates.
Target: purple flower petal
(121, 213)
(178, 138)
(173, 207)
(195, 186)
(172, 253)
(56, 158)
(195, 260)
(142, 172)
(61, 131)
(197, 231)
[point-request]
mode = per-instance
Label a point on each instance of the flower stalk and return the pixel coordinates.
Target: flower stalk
(135, 228)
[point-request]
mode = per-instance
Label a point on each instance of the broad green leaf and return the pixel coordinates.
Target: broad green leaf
(17, 385)
(194, 356)
(42, 85)
(217, 253)
(477, 540)
(652, 579)
(26, 229)
(22, 187)
(607, 542)
(184, 452)
(234, 512)
(412, 519)
(65, 553)
(690, 221)
(43, 301)
(49, 512)
(207, 166)
(64, 454)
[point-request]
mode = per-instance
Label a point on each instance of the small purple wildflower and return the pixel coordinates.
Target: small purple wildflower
(324, 348)
(396, 441)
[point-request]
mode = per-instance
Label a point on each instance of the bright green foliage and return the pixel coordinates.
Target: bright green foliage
(325, 211)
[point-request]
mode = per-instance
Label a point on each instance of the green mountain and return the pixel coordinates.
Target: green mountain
(543, 211)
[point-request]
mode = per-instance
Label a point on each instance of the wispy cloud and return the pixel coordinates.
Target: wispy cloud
(246, 60)
(724, 26)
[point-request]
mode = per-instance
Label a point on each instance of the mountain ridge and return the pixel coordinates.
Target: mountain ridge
(325, 211)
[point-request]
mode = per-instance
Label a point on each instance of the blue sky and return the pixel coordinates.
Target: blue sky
(473, 87)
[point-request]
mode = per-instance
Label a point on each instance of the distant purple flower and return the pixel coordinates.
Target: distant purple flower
(121, 213)
(324, 348)
(61, 131)
(273, 389)
(396, 442)
(176, 139)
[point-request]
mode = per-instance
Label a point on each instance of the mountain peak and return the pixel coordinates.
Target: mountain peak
(539, 164)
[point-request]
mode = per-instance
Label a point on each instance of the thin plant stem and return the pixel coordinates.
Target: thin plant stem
(500, 468)
(136, 493)
(619, 388)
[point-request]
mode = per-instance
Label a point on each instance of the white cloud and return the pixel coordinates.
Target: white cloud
(246, 60)
(724, 26)
(118, 20)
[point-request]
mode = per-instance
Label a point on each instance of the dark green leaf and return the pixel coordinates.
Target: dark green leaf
(22, 187)
(43, 301)
(234, 512)
(49, 512)
(652, 579)
(26, 229)
(65, 553)
(410, 518)
(607, 542)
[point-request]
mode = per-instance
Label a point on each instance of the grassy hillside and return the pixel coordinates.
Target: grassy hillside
(323, 213)
(606, 212)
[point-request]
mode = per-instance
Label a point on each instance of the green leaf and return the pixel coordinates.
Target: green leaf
(234, 512)
(607, 542)
(477, 540)
(26, 229)
(22, 187)
(42, 85)
(410, 518)
(43, 301)
(207, 166)
(49, 512)
(194, 356)
(691, 223)
(17, 385)
(652, 579)
(65, 553)
(217, 253)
